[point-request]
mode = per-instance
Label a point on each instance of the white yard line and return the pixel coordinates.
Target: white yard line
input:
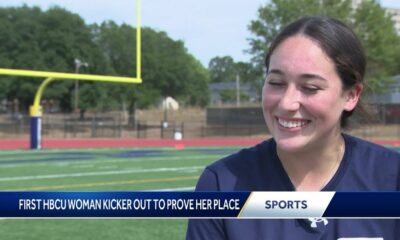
(107, 167)
(114, 160)
(171, 189)
(86, 174)
(87, 166)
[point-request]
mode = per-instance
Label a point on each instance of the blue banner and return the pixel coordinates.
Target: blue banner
(199, 204)
(364, 204)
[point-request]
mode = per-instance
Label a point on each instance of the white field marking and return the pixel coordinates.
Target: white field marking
(86, 161)
(29, 152)
(86, 174)
(109, 183)
(112, 150)
(100, 151)
(105, 167)
(83, 166)
(191, 171)
(146, 159)
(171, 189)
(62, 164)
(61, 150)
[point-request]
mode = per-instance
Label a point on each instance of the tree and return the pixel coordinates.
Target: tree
(225, 69)
(376, 30)
(167, 68)
(222, 69)
(197, 93)
(369, 20)
(16, 27)
(49, 41)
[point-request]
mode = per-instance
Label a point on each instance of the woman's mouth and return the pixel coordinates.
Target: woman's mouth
(292, 123)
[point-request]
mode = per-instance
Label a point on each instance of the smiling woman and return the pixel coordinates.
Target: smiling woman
(315, 72)
(303, 102)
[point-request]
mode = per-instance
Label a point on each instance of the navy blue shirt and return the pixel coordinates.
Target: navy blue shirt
(365, 167)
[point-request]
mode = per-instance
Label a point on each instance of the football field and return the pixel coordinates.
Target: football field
(123, 169)
(114, 169)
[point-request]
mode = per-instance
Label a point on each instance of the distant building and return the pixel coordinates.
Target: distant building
(216, 90)
(391, 96)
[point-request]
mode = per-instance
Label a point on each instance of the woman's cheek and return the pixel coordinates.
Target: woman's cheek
(270, 99)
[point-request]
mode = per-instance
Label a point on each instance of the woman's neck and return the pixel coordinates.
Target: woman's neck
(311, 169)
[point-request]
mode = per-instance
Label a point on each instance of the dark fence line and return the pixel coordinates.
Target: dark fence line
(114, 127)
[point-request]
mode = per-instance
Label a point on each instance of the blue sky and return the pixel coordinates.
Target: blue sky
(209, 28)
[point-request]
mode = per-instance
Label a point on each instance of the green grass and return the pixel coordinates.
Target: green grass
(101, 170)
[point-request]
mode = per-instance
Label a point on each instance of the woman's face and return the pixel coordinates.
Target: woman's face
(302, 96)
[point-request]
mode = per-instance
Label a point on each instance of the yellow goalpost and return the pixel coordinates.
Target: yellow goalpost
(35, 111)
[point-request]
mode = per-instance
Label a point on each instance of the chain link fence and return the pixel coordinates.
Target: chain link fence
(117, 126)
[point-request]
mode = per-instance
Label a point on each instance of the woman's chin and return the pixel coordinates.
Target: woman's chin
(291, 145)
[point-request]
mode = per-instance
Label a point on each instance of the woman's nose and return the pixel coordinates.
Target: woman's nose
(290, 100)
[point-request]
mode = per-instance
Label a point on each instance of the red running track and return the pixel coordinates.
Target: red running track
(131, 142)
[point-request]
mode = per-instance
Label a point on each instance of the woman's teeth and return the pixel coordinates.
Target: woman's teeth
(292, 124)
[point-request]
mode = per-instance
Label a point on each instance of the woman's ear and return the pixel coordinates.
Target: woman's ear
(352, 97)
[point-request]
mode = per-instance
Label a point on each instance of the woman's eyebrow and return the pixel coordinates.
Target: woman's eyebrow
(304, 76)
(309, 76)
(275, 71)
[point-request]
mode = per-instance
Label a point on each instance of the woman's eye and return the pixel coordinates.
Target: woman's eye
(276, 84)
(310, 89)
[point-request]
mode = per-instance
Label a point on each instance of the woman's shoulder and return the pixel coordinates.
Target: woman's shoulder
(370, 150)
(370, 167)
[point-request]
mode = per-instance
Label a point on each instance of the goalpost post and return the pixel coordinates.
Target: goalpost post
(35, 111)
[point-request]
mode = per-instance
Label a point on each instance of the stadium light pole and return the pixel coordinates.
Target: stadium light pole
(78, 65)
(237, 90)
